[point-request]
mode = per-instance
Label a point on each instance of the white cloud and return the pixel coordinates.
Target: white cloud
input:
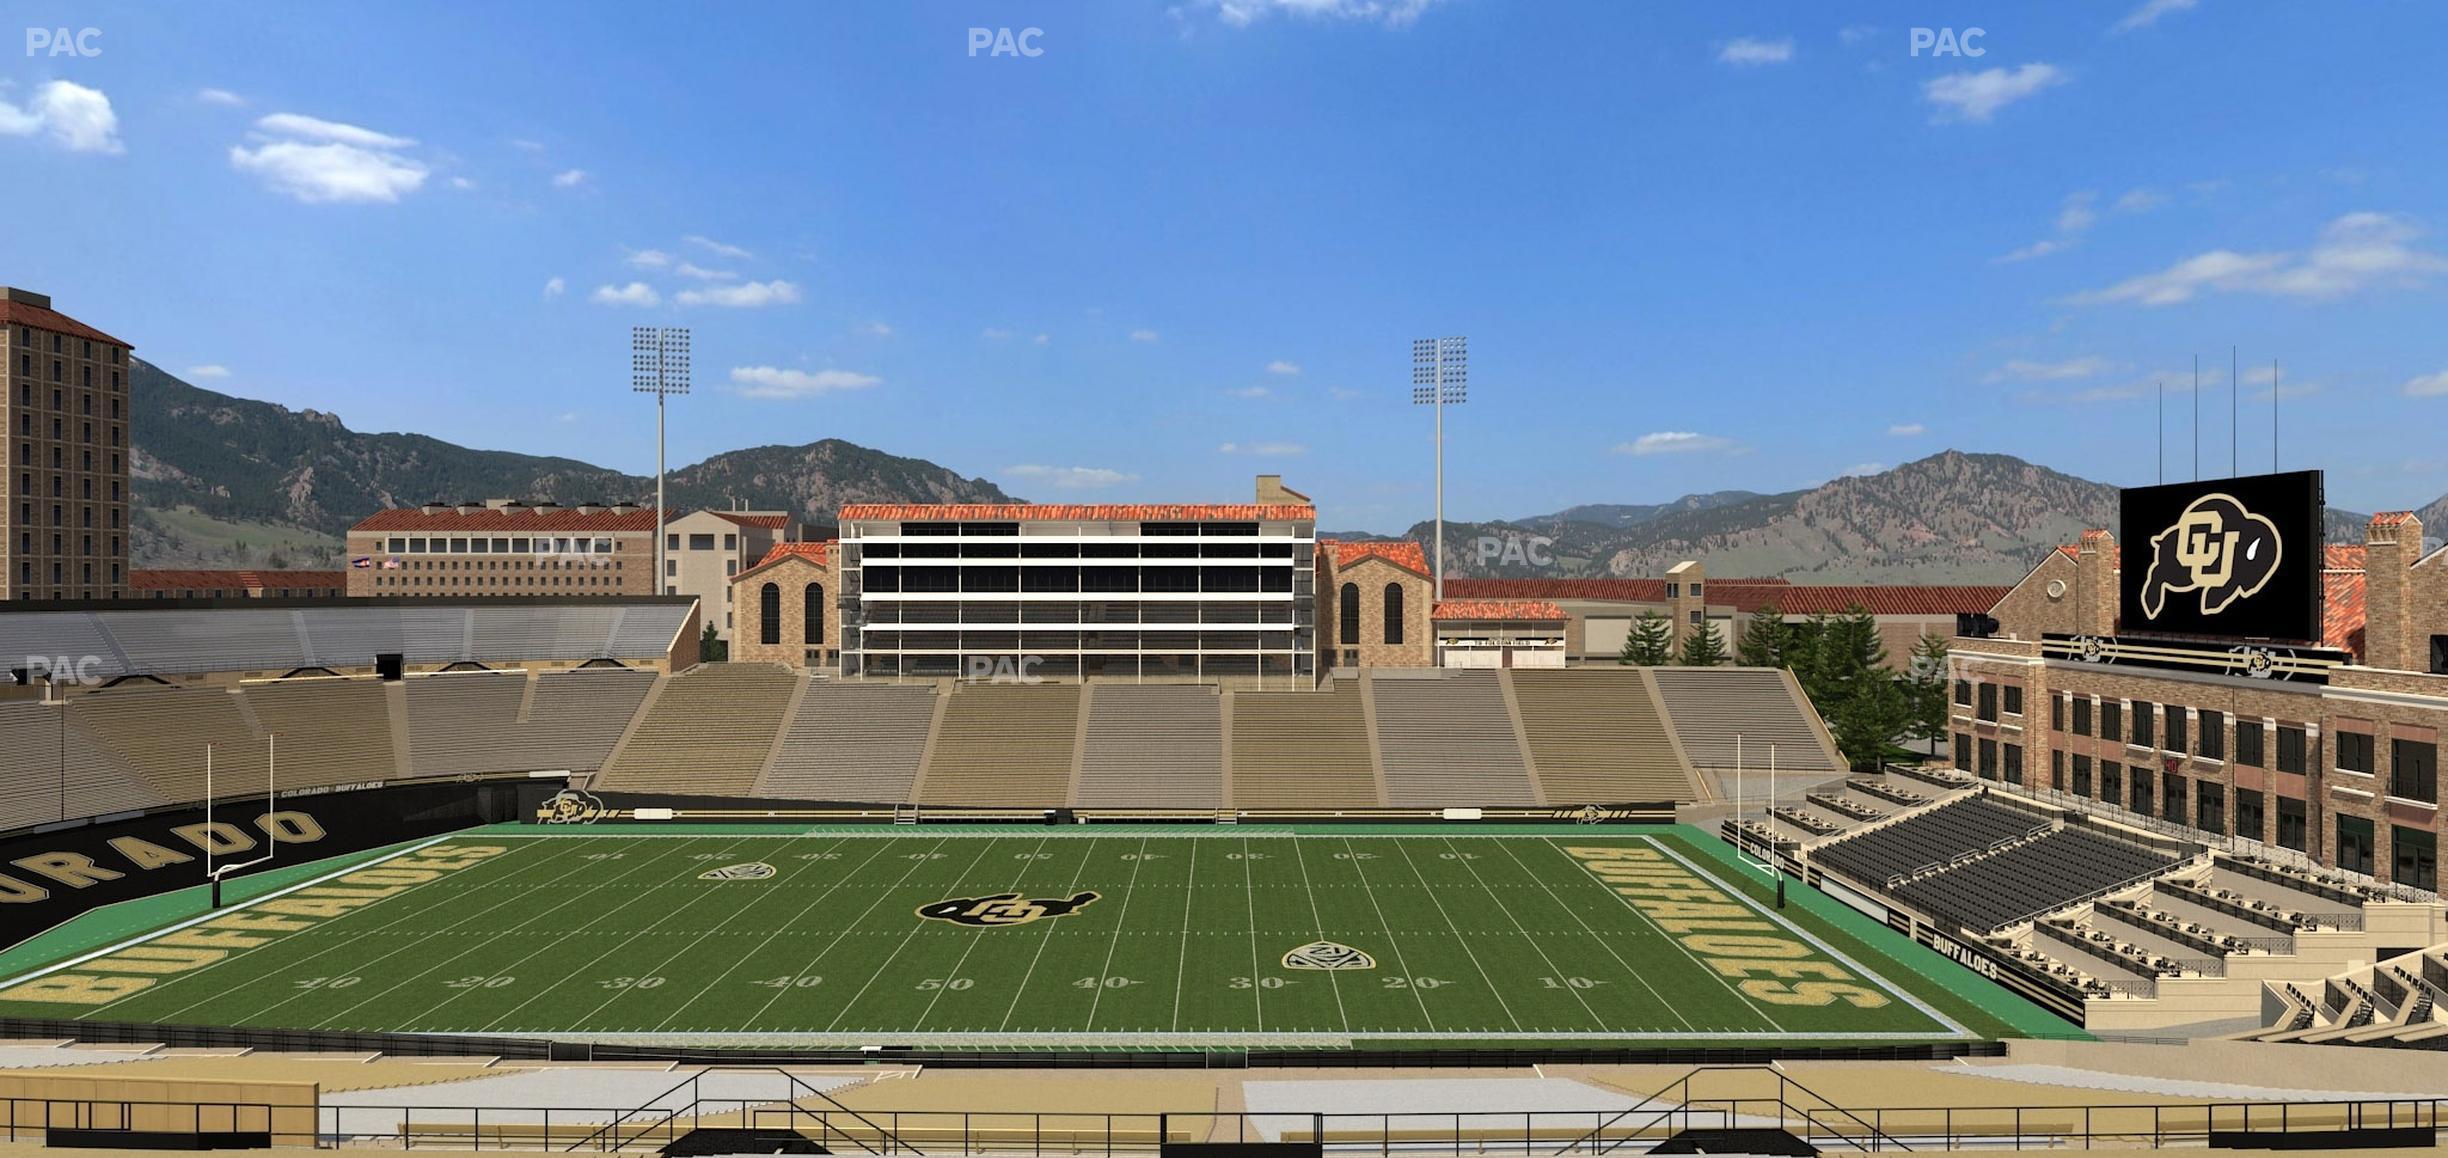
(318, 161)
(1747, 50)
(746, 295)
(555, 287)
(775, 382)
(2023, 370)
(1391, 13)
(2075, 216)
(1263, 449)
(1042, 339)
(2140, 201)
(1250, 392)
(649, 259)
(1279, 366)
(2427, 386)
(717, 248)
(701, 273)
(1976, 96)
(2035, 249)
(1674, 442)
(1143, 335)
(1071, 477)
(994, 333)
(636, 293)
(76, 118)
(526, 145)
(463, 184)
(2150, 12)
(208, 372)
(1344, 393)
(876, 330)
(2355, 252)
(1907, 429)
(569, 178)
(219, 96)
(1860, 469)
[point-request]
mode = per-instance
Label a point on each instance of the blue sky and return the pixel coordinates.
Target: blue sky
(1695, 246)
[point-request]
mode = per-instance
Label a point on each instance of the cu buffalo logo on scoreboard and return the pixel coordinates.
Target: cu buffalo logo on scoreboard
(1003, 909)
(2217, 548)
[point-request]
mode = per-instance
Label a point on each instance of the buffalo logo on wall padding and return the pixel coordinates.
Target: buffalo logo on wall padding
(2217, 548)
(571, 806)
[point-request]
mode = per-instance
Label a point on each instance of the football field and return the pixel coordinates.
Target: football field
(1012, 937)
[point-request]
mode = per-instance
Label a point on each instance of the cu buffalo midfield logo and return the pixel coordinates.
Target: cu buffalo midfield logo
(2216, 547)
(1328, 955)
(1003, 909)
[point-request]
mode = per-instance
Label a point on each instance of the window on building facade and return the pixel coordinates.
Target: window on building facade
(2013, 768)
(811, 607)
(2414, 857)
(2057, 713)
(2291, 826)
(1393, 613)
(2111, 782)
(2213, 735)
(1988, 759)
(701, 542)
(2082, 715)
(2248, 820)
(2112, 719)
(2013, 699)
(2439, 655)
(1988, 709)
(1963, 751)
(769, 615)
(2145, 714)
(2057, 769)
(1347, 616)
(2414, 770)
(2354, 844)
(2210, 812)
(1963, 693)
(2174, 732)
(2140, 782)
(2291, 749)
(2354, 752)
(2172, 797)
(2248, 743)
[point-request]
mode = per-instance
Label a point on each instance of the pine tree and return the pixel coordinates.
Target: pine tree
(1763, 639)
(711, 647)
(1925, 687)
(1650, 642)
(1872, 713)
(1704, 647)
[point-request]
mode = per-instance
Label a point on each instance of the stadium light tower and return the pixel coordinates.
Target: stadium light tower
(659, 365)
(1439, 377)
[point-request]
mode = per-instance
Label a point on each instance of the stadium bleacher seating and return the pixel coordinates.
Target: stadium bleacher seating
(1153, 746)
(576, 717)
(707, 734)
(2025, 880)
(1940, 834)
(161, 734)
(1711, 706)
(332, 731)
(1447, 740)
(1302, 750)
(1597, 737)
(1004, 745)
(465, 722)
(43, 754)
(853, 741)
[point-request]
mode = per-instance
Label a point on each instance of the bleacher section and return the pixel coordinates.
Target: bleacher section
(2027, 879)
(1710, 707)
(161, 733)
(1597, 737)
(466, 723)
(853, 742)
(1153, 746)
(576, 717)
(1004, 745)
(37, 742)
(331, 731)
(1447, 741)
(1302, 750)
(707, 734)
(1938, 835)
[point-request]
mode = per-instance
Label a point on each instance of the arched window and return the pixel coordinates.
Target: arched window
(1393, 613)
(812, 608)
(1347, 615)
(769, 615)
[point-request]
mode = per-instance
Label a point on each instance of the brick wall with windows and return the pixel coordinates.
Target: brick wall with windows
(64, 494)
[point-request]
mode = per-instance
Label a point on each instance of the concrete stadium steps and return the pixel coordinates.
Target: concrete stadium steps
(575, 717)
(1709, 706)
(856, 742)
(160, 734)
(1153, 746)
(1597, 736)
(466, 722)
(1006, 745)
(1447, 741)
(1302, 750)
(331, 731)
(38, 743)
(708, 734)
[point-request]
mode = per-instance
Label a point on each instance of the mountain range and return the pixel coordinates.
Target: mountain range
(229, 482)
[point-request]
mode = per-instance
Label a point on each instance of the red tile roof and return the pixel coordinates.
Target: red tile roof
(1601, 590)
(1403, 553)
(515, 520)
(1075, 512)
(23, 314)
(2392, 518)
(188, 580)
(768, 522)
(1833, 599)
(817, 553)
(1506, 609)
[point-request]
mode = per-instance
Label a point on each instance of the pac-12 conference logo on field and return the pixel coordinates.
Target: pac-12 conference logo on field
(1003, 909)
(2216, 547)
(755, 870)
(1328, 955)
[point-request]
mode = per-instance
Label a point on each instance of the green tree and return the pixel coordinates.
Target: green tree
(1650, 642)
(1704, 647)
(711, 647)
(1763, 639)
(1925, 687)
(1868, 719)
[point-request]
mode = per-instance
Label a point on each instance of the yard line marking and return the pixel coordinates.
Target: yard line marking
(1541, 950)
(397, 916)
(575, 897)
(1458, 936)
(1181, 970)
(1333, 980)
(659, 966)
(744, 957)
(1694, 958)
(906, 938)
(1595, 935)
(966, 950)
(1114, 941)
(843, 933)
(1077, 872)
(1257, 991)
(1392, 942)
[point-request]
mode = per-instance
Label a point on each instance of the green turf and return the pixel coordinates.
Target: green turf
(1477, 936)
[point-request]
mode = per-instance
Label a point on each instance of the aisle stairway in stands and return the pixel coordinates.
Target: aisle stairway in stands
(1597, 737)
(708, 734)
(1302, 750)
(1447, 740)
(1004, 745)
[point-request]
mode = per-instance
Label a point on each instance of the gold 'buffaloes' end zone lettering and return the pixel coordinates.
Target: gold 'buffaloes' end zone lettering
(1003, 909)
(1328, 955)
